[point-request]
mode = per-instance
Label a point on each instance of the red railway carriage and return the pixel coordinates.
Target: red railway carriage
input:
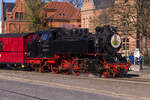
(14, 52)
(13, 48)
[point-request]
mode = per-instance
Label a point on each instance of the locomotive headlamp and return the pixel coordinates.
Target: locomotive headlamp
(22, 66)
(25, 53)
(115, 40)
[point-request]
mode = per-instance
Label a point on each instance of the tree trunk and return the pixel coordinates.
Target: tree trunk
(145, 46)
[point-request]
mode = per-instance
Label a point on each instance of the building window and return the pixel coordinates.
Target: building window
(12, 27)
(1, 46)
(19, 16)
(11, 17)
(125, 44)
(126, 1)
(61, 14)
(124, 40)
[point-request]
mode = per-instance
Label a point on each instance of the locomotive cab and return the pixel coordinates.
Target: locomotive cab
(40, 45)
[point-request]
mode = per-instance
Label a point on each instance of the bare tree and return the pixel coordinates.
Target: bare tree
(76, 3)
(51, 0)
(122, 14)
(143, 22)
(137, 17)
(100, 20)
(33, 10)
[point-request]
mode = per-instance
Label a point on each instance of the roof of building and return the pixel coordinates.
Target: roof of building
(63, 10)
(101, 4)
(13, 35)
(7, 7)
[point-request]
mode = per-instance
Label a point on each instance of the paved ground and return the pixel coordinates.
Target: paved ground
(137, 87)
(145, 73)
(13, 90)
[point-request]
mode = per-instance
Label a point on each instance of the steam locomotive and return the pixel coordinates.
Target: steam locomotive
(72, 51)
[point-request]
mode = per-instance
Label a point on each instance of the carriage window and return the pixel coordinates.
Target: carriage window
(1, 46)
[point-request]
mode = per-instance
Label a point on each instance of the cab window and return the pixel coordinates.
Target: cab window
(1, 46)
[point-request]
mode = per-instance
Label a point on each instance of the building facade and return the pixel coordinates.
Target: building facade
(62, 14)
(0, 28)
(13, 17)
(113, 12)
(56, 14)
(91, 9)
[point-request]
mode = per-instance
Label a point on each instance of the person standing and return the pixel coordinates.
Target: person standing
(141, 60)
(131, 58)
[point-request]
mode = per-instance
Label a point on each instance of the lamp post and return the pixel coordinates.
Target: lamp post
(126, 38)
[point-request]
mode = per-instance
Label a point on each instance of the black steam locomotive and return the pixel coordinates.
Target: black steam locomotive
(78, 51)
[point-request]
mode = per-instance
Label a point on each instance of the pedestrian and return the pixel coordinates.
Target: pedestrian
(141, 60)
(131, 57)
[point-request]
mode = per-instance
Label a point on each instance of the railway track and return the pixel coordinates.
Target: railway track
(139, 79)
(135, 80)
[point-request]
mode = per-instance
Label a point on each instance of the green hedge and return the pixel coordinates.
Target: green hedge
(147, 60)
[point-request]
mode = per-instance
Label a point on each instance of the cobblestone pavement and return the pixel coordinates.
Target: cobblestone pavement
(130, 90)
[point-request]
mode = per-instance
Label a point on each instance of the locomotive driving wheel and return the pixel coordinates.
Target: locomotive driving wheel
(55, 69)
(65, 72)
(41, 69)
(76, 68)
(65, 66)
(36, 69)
(105, 74)
(45, 68)
(76, 72)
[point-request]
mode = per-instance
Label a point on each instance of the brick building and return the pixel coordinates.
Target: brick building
(0, 28)
(62, 14)
(91, 9)
(101, 11)
(13, 17)
(56, 14)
